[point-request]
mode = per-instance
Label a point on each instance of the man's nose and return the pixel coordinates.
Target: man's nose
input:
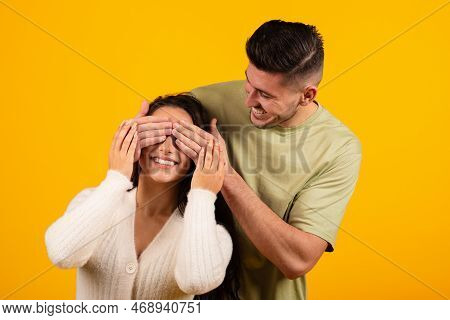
(251, 101)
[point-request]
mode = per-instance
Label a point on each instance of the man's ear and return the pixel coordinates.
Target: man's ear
(308, 95)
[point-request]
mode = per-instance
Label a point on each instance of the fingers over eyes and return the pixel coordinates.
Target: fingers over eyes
(189, 138)
(154, 126)
(154, 133)
(186, 149)
(187, 141)
(152, 119)
(192, 131)
(145, 142)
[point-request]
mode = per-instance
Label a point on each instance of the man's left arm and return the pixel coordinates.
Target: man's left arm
(293, 251)
(314, 218)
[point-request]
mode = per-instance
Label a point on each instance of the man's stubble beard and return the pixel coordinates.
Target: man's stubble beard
(265, 126)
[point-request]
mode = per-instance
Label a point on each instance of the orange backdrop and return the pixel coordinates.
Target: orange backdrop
(71, 72)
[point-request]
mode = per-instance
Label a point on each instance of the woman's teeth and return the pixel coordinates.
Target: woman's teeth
(258, 110)
(165, 162)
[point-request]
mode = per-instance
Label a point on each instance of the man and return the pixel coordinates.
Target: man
(292, 165)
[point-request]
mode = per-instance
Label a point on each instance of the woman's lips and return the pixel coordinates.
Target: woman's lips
(165, 163)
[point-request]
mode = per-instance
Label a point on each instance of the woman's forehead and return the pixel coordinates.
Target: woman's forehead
(174, 113)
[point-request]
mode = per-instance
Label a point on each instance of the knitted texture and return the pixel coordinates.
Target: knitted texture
(188, 256)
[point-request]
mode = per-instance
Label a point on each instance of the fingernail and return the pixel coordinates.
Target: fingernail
(175, 125)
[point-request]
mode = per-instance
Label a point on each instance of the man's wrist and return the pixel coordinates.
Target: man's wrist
(230, 176)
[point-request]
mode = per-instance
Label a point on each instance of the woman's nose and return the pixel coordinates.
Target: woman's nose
(167, 145)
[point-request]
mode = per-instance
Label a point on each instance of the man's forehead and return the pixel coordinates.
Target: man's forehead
(263, 81)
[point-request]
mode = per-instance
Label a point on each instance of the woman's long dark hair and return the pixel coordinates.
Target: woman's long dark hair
(230, 286)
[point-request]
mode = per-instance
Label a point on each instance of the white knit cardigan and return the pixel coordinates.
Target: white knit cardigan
(188, 256)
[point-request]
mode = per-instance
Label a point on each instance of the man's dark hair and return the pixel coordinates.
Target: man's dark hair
(292, 48)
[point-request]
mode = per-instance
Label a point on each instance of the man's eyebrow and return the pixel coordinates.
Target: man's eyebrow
(265, 92)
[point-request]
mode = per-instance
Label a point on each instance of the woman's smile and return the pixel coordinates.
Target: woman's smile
(164, 162)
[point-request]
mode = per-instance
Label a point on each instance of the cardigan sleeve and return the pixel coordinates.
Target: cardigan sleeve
(205, 247)
(73, 237)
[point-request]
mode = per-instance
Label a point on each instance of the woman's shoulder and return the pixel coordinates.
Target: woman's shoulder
(113, 180)
(80, 197)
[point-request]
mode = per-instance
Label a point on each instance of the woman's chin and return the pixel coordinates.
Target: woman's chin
(162, 176)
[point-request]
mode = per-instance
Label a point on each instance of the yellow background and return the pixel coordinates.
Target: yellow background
(59, 112)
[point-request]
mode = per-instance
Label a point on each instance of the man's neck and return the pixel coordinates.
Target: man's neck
(303, 113)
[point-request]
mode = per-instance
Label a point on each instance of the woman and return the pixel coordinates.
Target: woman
(149, 230)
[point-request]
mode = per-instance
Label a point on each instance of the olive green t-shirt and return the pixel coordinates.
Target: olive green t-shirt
(305, 174)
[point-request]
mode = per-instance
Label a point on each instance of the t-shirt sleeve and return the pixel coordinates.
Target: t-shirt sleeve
(320, 205)
(224, 101)
(211, 98)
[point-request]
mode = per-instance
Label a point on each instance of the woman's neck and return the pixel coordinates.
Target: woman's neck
(155, 198)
